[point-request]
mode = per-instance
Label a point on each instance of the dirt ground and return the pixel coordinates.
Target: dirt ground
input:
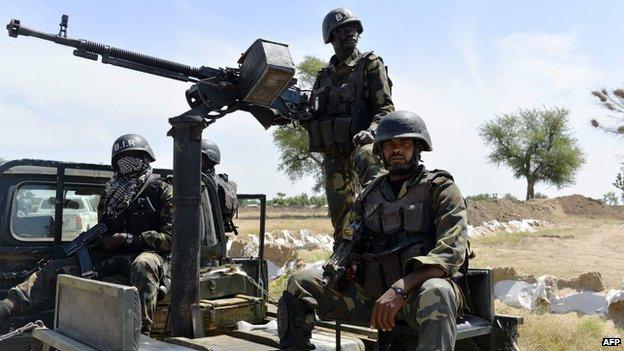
(579, 235)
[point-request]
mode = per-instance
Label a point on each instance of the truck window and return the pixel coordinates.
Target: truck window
(33, 211)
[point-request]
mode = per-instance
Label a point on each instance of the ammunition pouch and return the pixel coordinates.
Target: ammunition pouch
(385, 264)
(338, 111)
(295, 322)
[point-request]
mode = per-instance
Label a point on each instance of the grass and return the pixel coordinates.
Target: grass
(560, 332)
(313, 256)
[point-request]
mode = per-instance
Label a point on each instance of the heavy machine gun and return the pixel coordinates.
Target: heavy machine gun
(263, 84)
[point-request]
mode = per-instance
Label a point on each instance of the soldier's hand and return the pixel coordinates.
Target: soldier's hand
(363, 137)
(385, 310)
(112, 242)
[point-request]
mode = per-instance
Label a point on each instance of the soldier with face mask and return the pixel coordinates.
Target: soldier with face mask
(137, 248)
(416, 240)
(349, 98)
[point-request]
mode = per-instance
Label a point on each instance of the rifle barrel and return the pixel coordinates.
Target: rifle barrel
(120, 57)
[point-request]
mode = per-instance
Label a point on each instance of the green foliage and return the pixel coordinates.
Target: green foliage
(296, 161)
(512, 198)
(540, 196)
(619, 182)
(307, 69)
(298, 200)
(536, 144)
(482, 197)
(614, 102)
(610, 198)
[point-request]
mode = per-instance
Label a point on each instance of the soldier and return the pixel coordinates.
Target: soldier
(349, 98)
(213, 247)
(416, 234)
(137, 250)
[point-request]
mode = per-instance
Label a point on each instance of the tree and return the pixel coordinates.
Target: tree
(613, 102)
(610, 199)
(296, 161)
(536, 144)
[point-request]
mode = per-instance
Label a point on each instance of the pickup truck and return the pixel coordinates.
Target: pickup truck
(79, 213)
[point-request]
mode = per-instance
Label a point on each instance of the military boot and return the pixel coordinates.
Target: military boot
(295, 322)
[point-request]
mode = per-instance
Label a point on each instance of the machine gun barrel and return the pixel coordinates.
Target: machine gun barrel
(116, 56)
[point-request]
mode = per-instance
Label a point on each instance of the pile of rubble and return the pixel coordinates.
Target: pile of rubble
(514, 226)
(584, 294)
(280, 248)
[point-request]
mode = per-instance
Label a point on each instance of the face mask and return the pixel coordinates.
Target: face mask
(131, 165)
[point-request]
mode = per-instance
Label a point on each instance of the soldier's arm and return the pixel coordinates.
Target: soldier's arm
(160, 239)
(451, 230)
(379, 89)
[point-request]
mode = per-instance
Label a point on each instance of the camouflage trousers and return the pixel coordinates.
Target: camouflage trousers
(146, 272)
(340, 172)
(431, 310)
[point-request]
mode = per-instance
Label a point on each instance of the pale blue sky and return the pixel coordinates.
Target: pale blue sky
(456, 63)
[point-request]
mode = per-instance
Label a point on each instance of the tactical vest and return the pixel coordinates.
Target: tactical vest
(339, 110)
(399, 230)
(228, 200)
(144, 212)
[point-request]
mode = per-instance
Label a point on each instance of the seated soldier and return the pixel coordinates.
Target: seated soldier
(137, 245)
(416, 238)
(213, 247)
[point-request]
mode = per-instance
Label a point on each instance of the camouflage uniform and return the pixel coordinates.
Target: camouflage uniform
(146, 270)
(432, 308)
(348, 97)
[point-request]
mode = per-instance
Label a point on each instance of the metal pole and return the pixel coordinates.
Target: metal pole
(186, 131)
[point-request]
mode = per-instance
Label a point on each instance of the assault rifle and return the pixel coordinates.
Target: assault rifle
(80, 247)
(350, 251)
(263, 84)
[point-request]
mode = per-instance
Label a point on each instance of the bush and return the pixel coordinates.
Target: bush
(482, 197)
(610, 199)
(540, 196)
(510, 197)
(298, 200)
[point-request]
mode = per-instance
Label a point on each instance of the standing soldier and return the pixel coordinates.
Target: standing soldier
(138, 243)
(415, 239)
(349, 97)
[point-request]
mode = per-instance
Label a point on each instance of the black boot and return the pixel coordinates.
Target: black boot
(295, 322)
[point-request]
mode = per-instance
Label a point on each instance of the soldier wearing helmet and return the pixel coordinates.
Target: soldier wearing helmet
(349, 98)
(213, 241)
(136, 208)
(415, 232)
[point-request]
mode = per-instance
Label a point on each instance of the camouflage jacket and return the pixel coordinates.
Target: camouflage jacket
(149, 219)
(377, 85)
(448, 222)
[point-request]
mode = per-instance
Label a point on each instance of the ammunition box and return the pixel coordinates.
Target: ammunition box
(266, 68)
(213, 286)
(223, 314)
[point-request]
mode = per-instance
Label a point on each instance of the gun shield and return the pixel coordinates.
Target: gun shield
(266, 69)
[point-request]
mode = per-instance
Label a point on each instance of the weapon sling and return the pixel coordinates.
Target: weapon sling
(80, 244)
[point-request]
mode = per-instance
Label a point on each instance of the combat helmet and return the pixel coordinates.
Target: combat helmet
(402, 124)
(211, 151)
(339, 17)
(130, 142)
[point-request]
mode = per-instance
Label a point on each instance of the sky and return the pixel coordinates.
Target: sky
(457, 64)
